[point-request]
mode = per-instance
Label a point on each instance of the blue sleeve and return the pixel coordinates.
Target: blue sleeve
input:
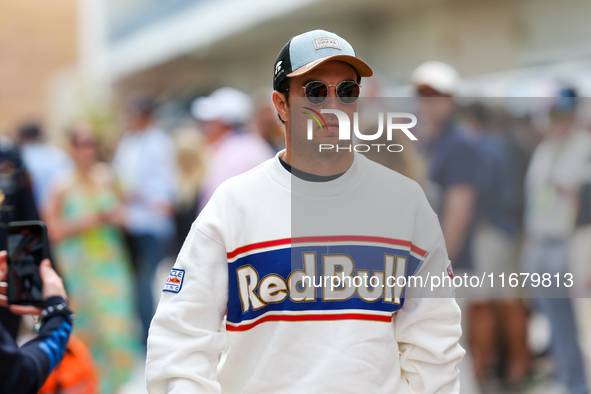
(24, 370)
(464, 165)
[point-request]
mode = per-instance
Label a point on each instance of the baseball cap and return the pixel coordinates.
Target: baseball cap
(309, 50)
(227, 105)
(437, 75)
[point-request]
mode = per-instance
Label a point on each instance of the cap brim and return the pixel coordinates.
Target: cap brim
(359, 65)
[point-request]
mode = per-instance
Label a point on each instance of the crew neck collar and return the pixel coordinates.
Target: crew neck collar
(306, 176)
(330, 188)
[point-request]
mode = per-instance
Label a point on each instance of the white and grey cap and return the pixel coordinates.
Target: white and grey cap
(308, 50)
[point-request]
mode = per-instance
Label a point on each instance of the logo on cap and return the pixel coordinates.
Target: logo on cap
(278, 66)
(326, 42)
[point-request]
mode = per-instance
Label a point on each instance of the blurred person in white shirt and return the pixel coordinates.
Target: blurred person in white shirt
(554, 177)
(146, 171)
(46, 162)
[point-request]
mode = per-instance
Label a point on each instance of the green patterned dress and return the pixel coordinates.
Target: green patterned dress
(96, 271)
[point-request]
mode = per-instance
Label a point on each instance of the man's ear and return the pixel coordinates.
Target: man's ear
(281, 105)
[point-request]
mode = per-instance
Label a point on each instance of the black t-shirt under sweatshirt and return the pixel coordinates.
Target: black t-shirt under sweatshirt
(306, 176)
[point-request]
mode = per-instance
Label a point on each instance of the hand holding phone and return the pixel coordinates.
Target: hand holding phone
(27, 248)
(52, 286)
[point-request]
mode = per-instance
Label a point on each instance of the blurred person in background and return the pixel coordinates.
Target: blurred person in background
(453, 159)
(45, 162)
(232, 148)
(554, 178)
(85, 222)
(499, 317)
(455, 175)
(267, 126)
(580, 265)
(191, 163)
(16, 204)
(24, 370)
(146, 172)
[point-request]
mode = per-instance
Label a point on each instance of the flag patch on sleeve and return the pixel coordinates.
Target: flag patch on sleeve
(174, 282)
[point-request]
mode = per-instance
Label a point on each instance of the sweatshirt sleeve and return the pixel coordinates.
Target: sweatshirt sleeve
(428, 326)
(186, 339)
(24, 370)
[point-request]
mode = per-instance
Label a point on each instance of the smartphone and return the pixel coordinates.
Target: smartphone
(26, 248)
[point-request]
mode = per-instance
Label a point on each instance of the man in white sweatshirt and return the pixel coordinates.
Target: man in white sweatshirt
(290, 279)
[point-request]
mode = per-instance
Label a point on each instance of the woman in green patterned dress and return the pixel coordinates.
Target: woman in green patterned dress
(84, 221)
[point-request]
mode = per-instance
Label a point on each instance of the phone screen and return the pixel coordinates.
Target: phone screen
(26, 250)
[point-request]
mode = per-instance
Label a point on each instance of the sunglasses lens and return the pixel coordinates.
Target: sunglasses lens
(348, 92)
(316, 92)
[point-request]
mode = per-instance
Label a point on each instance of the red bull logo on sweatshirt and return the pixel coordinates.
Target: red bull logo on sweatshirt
(349, 279)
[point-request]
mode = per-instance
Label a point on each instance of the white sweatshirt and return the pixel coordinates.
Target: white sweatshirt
(239, 316)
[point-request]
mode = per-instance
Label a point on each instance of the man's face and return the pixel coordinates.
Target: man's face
(434, 110)
(330, 73)
(561, 123)
(213, 130)
(135, 119)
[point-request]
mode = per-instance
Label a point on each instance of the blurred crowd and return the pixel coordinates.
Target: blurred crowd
(512, 190)
(112, 219)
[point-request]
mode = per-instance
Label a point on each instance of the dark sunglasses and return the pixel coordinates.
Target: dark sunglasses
(317, 92)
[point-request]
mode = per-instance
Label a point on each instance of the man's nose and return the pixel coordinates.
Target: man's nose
(332, 91)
